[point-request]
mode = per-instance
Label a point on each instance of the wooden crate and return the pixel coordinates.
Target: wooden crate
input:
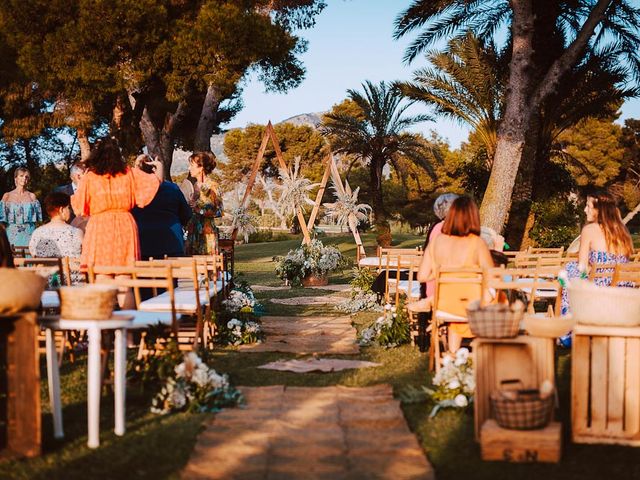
(522, 446)
(605, 385)
(526, 358)
(20, 384)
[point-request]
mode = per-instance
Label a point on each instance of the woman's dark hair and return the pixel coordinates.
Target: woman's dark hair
(55, 201)
(206, 160)
(105, 158)
(6, 254)
(463, 218)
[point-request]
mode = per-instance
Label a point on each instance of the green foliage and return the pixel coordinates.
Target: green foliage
(309, 259)
(389, 330)
(557, 222)
(361, 279)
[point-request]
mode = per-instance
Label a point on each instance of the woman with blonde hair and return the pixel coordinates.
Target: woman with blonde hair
(603, 240)
(20, 210)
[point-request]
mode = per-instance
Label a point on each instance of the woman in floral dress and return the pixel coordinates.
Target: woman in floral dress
(20, 210)
(604, 240)
(202, 233)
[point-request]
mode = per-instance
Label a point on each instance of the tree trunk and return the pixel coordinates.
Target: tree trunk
(515, 123)
(383, 230)
(521, 104)
(83, 141)
(207, 121)
(526, 239)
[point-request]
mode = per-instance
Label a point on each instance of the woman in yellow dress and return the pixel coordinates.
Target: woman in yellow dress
(459, 245)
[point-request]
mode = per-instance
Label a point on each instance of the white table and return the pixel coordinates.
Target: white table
(119, 323)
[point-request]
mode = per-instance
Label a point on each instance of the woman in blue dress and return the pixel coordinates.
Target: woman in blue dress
(20, 210)
(603, 240)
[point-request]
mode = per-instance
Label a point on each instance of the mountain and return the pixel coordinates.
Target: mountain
(181, 158)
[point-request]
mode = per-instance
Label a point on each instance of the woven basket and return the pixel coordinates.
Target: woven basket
(548, 327)
(521, 409)
(89, 302)
(495, 321)
(605, 306)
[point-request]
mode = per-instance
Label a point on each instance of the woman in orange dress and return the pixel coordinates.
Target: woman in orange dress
(107, 193)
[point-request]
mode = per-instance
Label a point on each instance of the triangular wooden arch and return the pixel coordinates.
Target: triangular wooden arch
(331, 170)
(270, 134)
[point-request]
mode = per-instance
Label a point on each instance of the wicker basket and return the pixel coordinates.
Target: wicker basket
(521, 409)
(89, 302)
(495, 321)
(605, 306)
(548, 327)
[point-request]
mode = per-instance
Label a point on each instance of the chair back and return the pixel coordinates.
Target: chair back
(137, 278)
(531, 281)
(628, 274)
(456, 287)
(386, 255)
(409, 263)
(43, 266)
(549, 252)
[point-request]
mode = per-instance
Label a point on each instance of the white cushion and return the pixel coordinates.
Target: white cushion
(185, 300)
(403, 286)
(369, 262)
(146, 319)
(50, 299)
(449, 317)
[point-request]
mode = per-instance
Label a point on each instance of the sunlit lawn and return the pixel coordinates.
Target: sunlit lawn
(158, 447)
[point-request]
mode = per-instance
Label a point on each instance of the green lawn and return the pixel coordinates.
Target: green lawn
(158, 447)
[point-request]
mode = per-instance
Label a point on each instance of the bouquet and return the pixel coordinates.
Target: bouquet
(454, 382)
(310, 259)
(391, 329)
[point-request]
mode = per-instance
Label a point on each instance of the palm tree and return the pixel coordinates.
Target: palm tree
(376, 135)
(468, 84)
(548, 39)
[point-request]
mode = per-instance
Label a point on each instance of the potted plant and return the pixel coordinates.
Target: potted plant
(309, 264)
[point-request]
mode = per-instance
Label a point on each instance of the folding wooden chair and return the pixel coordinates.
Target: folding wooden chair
(20, 252)
(192, 296)
(455, 288)
(404, 263)
(72, 271)
(627, 274)
(550, 252)
(536, 284)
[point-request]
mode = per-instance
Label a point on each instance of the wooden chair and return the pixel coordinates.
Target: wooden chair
(72, 271)
(536, 284)
(403, 263)
(603, 271)
(449, 281)
(627, 273)
(550, 252)
(137, 278)
(192, 296)
(20, 252)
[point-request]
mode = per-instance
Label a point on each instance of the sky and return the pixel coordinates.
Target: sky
(351, 42)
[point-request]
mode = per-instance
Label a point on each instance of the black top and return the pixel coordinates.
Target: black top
(160, 223)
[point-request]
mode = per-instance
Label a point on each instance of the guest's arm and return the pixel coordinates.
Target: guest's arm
(184, 210)
(426, 265)
(586, 237)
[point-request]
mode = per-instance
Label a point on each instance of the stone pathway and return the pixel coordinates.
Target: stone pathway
(307, 335)
(318, 300)
(298, 433)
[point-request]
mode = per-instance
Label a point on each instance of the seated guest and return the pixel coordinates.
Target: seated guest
(160, 222)
(459, 245)
(76, 172)
(56, 238)
(604, 239)
(6, 254)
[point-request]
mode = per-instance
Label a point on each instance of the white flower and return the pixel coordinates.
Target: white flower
(453, 384)
(200, 376)
(446, 361)
(178, 398)
(462, 353)
(388, 306)
(461, 401)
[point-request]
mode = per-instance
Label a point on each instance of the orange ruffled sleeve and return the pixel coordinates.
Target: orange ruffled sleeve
(80, 199)
(145, 187)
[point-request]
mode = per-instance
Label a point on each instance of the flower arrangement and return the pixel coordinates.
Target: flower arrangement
(454, 382)
(346, 210)
(195, 387)
(244, 222)
(361, 298)
(238, 323)
(309, 259)
(389, 330)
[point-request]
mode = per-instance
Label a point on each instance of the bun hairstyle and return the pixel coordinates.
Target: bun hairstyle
(105, 158)
(615, 232)
(206, 160)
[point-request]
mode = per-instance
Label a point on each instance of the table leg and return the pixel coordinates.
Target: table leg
(120, 381)
(93, 388)
(53, 377)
